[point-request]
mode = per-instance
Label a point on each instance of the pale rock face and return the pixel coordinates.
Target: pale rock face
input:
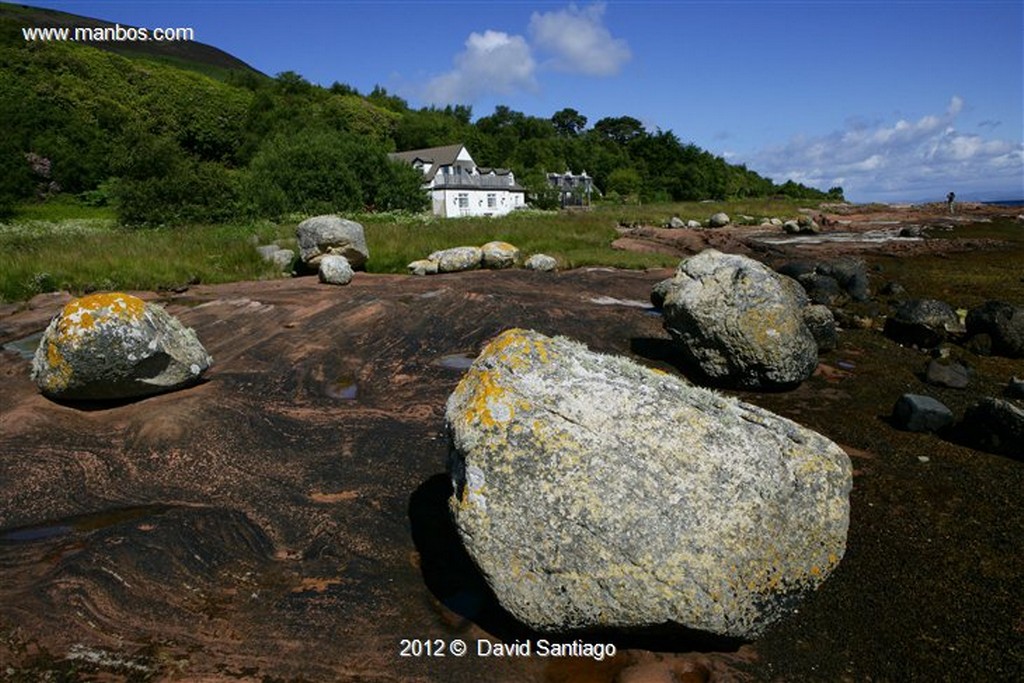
(322, 235)
(593, 492)
(113, 346)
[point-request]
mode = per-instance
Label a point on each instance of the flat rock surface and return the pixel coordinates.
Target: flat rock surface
(286, 519)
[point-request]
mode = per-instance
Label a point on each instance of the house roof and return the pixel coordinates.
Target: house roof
(436, 156)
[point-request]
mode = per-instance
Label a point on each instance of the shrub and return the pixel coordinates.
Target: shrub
(15, 178)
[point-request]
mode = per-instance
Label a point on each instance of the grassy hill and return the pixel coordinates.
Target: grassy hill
(190, 55)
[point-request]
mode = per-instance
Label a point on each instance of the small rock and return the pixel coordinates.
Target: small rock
(659, 291)
(952, 375)
(1003, 323)
(997, 426)
(457, 259)
(423, 266)
(693, 225)
(893, 289)
(719, 220)
(822, 324)
(541, 262)
(924, 323)
(676, 222)
(916, 413)
(267, 251)
(335, 270)
(283, 259)
(1015, 388)
(498, 255)
(911, 231)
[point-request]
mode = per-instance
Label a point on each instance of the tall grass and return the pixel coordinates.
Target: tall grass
(81, 249)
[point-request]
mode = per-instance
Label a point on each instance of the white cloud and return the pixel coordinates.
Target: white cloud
(905, 160)
(493, 62)
(578, 41)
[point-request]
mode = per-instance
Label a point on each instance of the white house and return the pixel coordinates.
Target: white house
(458, 187)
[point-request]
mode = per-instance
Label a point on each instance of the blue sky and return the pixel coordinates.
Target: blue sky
(898, 100)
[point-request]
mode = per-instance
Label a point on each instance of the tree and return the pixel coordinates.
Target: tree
(621, 129)
(569, 122)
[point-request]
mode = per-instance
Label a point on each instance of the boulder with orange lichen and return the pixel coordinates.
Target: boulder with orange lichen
(593, 492)
(116, 346)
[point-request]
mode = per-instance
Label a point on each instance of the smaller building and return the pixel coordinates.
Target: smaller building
(458, 187)
(573, 189)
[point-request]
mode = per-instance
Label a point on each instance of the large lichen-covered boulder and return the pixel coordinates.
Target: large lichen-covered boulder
(114, 346)
(593, 492)
(322, 235)
(739, 322)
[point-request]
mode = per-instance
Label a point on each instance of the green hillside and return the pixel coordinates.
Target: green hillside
(190, 55)
(175, 133)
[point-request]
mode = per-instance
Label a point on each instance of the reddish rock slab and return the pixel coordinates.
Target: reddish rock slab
(284, 520)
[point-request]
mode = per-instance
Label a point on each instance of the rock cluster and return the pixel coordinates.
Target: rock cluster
(116, 346)
(322, 235)
(593, 492)
(739, 322)
(924, 323)
(493, 255)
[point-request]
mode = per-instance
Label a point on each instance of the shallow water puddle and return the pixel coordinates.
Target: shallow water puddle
(343, 389)
(868, 237)
(26, 346)
(79, 524)
(456, 361)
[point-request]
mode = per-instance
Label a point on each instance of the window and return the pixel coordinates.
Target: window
(463, 200)
(492, 200)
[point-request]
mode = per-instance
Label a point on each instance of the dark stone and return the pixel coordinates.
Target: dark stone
(995, 425)
(893, 289)
(1003, 322)
(795, 269)
(924, 323)
(851, 274)
(916, 413)
(952, 375)
(822, 324)
(821, 289)
(1015, 389)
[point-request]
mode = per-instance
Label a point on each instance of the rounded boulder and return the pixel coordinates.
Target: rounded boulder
(739, 322)
(593, 492)
(116, 346)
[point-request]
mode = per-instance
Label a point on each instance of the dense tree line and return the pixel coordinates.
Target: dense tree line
(170, 145)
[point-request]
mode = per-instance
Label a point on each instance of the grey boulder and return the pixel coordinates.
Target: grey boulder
(719, 220)
(457, 259)
(323, 235)
(996, 425)
(335, 270)
(916, 413)
(739, 322)
(116, 346)
(593, 492)
(498, 255)
(541, 262)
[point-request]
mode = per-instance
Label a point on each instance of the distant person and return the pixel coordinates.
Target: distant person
(950, 198)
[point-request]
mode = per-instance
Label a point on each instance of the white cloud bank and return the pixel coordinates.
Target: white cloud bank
(493, 62)
(573, 40)
(578, 41)
(904, 161)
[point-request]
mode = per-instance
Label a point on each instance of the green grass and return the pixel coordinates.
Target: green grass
(66, 246)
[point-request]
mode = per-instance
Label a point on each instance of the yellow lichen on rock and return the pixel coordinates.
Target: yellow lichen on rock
(81, 316)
